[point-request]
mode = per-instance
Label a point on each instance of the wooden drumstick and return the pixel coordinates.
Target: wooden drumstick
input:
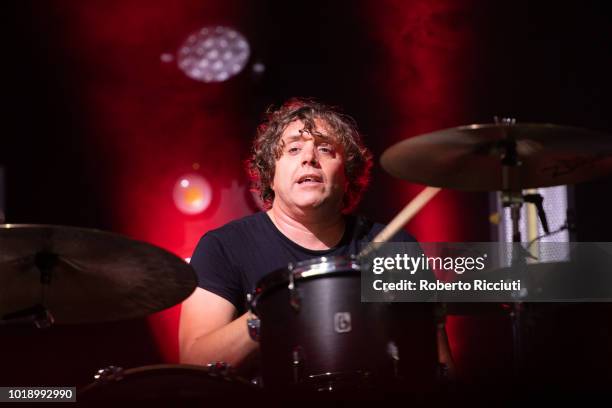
(402, 218)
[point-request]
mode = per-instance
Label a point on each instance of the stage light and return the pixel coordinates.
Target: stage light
(192, 194)
(213, 54)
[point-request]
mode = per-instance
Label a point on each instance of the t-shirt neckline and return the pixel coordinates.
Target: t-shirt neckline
(320, 252)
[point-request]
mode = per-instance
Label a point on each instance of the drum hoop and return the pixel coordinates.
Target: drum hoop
(156, 372)
(304, 270)
(157, 369)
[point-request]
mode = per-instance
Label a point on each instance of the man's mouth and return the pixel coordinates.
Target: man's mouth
(310, 178)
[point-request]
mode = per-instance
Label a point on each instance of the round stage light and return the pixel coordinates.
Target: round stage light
(213, 54)
(192, 194)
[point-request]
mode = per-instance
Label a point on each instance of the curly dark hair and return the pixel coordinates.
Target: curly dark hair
(267, 149)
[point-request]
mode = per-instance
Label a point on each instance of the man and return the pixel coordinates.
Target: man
(310, 168)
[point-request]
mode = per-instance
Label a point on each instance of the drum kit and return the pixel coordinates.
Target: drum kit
(315, 334)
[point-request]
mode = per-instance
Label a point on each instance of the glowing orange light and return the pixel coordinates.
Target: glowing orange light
(192, 194)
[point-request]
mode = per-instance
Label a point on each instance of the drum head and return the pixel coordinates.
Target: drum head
(321, 267)
(167, 383)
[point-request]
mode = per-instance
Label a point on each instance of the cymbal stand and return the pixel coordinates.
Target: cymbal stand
(513, 198)
(38, 315)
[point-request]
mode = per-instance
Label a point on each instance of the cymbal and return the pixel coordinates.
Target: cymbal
(91, 275)
(469, 157)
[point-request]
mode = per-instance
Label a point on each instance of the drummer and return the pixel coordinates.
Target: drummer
(310, 168)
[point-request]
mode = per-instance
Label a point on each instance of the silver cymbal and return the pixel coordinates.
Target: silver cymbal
(469, 157)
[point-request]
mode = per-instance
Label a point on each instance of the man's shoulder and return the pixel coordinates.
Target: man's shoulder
(240, 226)
(372, 229)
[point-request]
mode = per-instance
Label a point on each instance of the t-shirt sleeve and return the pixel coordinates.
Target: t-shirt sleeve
(402, 236)
(215, 272)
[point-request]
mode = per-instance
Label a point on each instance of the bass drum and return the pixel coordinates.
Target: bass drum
(166, 383)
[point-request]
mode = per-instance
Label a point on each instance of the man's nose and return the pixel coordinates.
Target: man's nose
(309, 154)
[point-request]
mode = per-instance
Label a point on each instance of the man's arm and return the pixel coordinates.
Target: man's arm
(209, 333)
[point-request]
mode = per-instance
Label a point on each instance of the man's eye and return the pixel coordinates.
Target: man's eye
(325, 149)
(293, 149)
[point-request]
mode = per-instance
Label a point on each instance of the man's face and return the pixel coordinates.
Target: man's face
(310, 171)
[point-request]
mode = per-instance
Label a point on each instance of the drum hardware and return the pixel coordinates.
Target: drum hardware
(294, 296)
(298, 364)
(110, 373)
(253, 322)
(509, 157)
(76, 275)
(338, 381)
(220, 368)
(169, 383)
(513, 198)
(38, 316)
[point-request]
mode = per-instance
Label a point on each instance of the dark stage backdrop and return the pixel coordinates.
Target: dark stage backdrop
(98, 127)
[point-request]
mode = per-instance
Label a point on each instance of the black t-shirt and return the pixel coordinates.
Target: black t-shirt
(230, 260)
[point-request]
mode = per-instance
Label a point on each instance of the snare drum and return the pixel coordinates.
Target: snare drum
(175, 384)
(315, 332)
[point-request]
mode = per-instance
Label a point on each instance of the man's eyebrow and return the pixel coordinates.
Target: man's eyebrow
(317, 136)
(294, 137)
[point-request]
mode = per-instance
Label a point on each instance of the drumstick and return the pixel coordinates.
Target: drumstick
(402, 218)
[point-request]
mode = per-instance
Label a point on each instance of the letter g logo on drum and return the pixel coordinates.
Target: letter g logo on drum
(342, 322)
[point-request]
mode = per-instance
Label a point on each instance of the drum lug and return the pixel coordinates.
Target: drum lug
(294, 296)
(253, 325)
(110, 373)
(219, 368)
(297, 362)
